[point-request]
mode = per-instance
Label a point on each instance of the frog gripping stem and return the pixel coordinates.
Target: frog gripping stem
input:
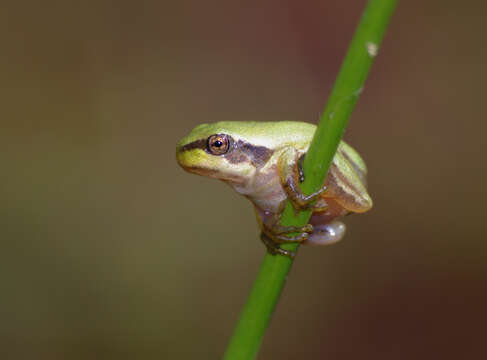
(247, 337)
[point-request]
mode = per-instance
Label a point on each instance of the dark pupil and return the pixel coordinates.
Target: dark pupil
(217, 143)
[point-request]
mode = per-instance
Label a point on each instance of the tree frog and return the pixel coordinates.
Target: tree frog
(263, 162)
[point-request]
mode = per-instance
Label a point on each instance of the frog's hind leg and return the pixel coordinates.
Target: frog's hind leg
(326, 234)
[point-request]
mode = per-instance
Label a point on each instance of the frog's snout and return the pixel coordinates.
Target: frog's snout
(179, 154)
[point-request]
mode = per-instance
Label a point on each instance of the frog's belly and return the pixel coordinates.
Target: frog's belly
(269, 204)
(265, 192)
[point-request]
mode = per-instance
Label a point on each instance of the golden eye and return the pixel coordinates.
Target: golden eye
(218, 144)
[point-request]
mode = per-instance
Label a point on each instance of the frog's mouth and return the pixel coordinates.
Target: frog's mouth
(199, 164)
(214, 174)
(202, 171)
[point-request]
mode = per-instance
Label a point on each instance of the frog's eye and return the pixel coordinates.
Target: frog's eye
(218, 144)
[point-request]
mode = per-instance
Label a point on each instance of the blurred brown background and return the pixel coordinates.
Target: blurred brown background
(110, 251)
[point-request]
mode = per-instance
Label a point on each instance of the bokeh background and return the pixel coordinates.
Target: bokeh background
(108, 250)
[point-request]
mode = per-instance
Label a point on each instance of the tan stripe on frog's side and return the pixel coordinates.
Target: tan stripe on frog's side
(346, 180)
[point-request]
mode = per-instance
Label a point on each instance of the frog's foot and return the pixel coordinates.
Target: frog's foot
(326, 234)
(291, 174)
(274, 230)
(273, 235)
(278, 232)
(274, 248)
(301, 201)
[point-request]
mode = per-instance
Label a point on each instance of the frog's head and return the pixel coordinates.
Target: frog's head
(221, 150)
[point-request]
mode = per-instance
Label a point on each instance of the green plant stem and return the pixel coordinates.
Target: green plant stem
(263, 297)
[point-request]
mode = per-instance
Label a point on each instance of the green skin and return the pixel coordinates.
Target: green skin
(262, 161)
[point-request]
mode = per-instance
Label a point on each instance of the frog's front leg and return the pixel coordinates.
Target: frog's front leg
(290, 174)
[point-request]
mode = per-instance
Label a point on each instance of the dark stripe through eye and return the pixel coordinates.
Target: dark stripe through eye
(198, 144)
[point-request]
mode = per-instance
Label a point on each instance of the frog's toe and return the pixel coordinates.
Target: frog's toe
(326, 234)
(284, 238)
(276, 229)
(274, 248)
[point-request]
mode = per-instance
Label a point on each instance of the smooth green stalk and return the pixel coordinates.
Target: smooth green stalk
(263, 297)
